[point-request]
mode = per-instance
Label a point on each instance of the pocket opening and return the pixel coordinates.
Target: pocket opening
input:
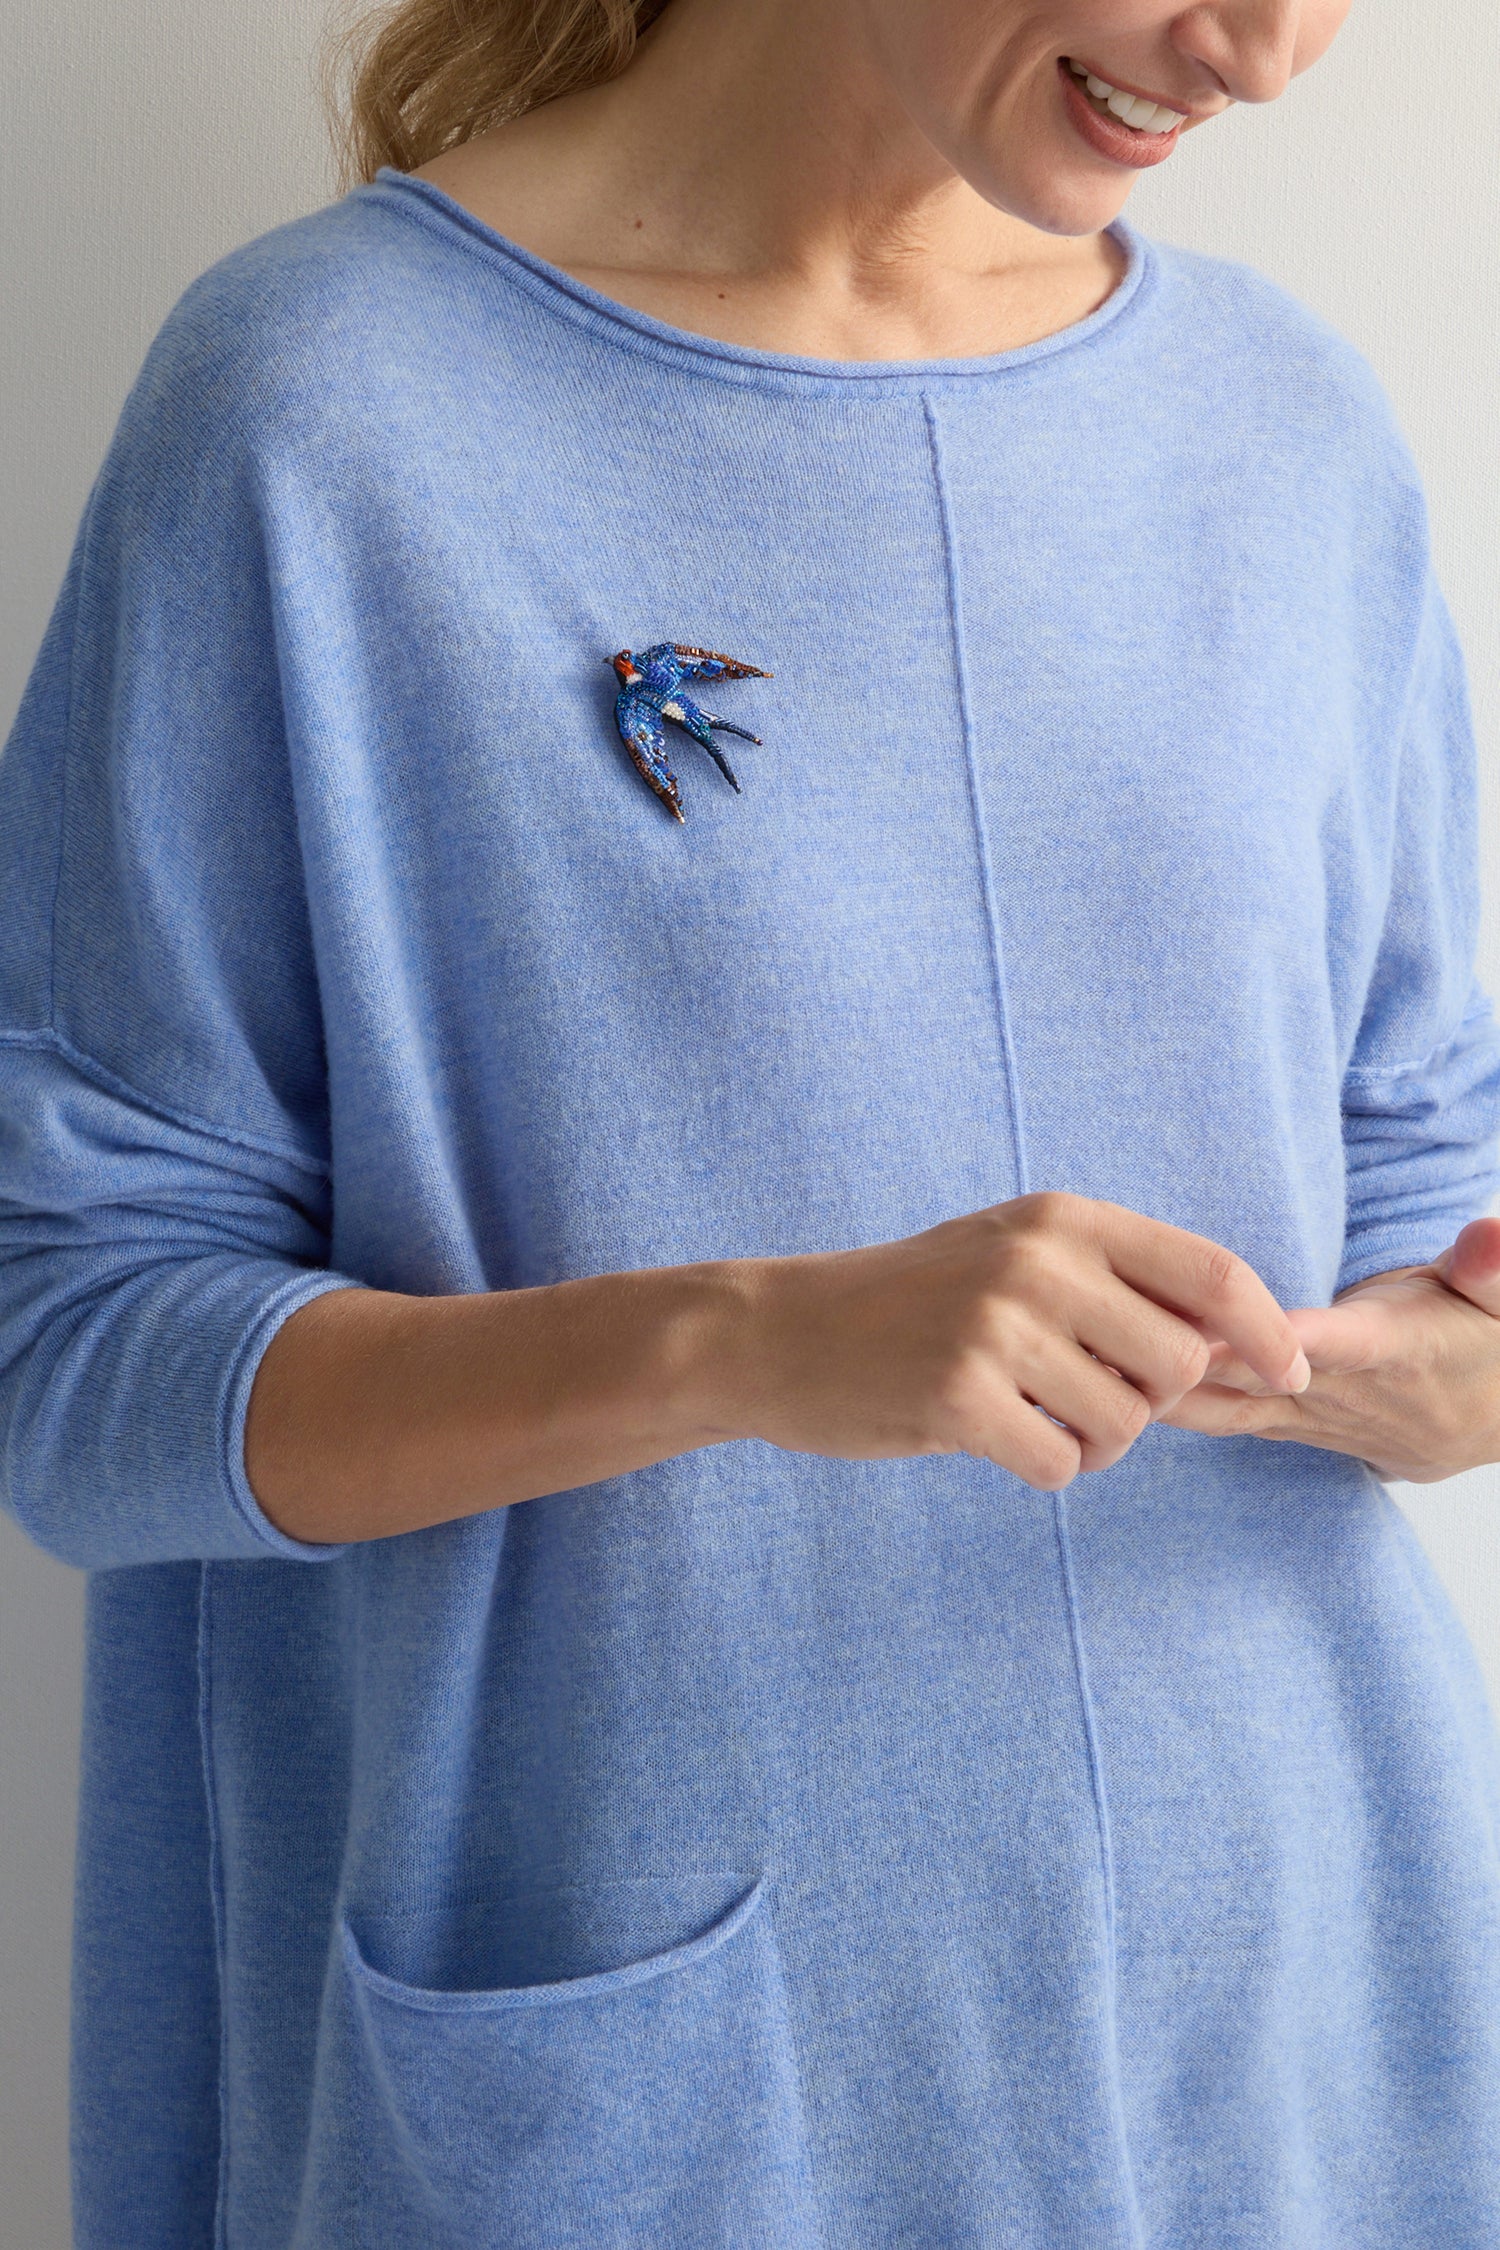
(563, 1990)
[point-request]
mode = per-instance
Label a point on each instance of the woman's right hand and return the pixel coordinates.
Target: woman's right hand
(949, 1341)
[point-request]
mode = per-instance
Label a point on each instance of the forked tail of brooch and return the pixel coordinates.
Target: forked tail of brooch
(651, 691)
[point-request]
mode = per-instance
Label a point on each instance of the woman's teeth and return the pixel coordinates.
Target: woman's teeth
(1131, 109)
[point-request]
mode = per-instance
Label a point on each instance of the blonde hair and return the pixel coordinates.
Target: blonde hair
(401, 83)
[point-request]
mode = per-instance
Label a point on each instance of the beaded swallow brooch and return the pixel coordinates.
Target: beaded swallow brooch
(650, 691)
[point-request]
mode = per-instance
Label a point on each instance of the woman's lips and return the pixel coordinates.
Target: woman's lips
(1107, 136)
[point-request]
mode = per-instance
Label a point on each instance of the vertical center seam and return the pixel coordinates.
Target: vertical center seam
(976, 807)
(1013, 1092)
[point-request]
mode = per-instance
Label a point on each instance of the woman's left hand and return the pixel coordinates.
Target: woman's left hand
(1406, 1371)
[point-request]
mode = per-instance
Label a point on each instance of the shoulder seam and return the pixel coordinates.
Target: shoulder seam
(50, 1039)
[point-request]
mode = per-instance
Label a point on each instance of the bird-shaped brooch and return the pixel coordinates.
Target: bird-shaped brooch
(651, 690)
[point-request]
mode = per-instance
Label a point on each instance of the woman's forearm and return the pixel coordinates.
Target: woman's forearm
(373, 1413)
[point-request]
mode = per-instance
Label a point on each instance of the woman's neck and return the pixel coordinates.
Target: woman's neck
(753, 177)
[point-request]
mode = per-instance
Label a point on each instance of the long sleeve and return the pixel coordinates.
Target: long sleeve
(164, 1166)
(1421, 1095)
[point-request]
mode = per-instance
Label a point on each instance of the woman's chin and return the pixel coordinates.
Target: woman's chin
(1055, 193)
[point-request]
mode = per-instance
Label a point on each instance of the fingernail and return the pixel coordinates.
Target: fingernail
(1299, 1374)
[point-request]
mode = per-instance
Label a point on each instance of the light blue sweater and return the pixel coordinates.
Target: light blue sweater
(757, 1851)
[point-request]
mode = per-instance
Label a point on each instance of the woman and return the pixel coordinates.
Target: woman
(920, 1766)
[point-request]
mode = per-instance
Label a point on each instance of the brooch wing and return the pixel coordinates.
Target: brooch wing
(709, 664)
(641, 731)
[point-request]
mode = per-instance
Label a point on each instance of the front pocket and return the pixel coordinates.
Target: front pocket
(651, 2104)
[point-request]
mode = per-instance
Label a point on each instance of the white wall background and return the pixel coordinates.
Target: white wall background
(143, 139)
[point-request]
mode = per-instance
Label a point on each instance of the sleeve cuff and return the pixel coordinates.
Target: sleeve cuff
(235, 1404)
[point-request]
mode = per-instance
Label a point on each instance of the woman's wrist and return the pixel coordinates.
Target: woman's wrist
(653, 1354)
(714, 1346)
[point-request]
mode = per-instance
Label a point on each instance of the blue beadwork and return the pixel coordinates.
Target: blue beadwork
(650, 691)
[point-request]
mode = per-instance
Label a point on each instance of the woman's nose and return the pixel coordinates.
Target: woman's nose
(1250, 46)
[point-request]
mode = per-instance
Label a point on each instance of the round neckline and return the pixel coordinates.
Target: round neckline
(625, 325)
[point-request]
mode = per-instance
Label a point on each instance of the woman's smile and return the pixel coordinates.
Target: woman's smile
(1128, 127)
